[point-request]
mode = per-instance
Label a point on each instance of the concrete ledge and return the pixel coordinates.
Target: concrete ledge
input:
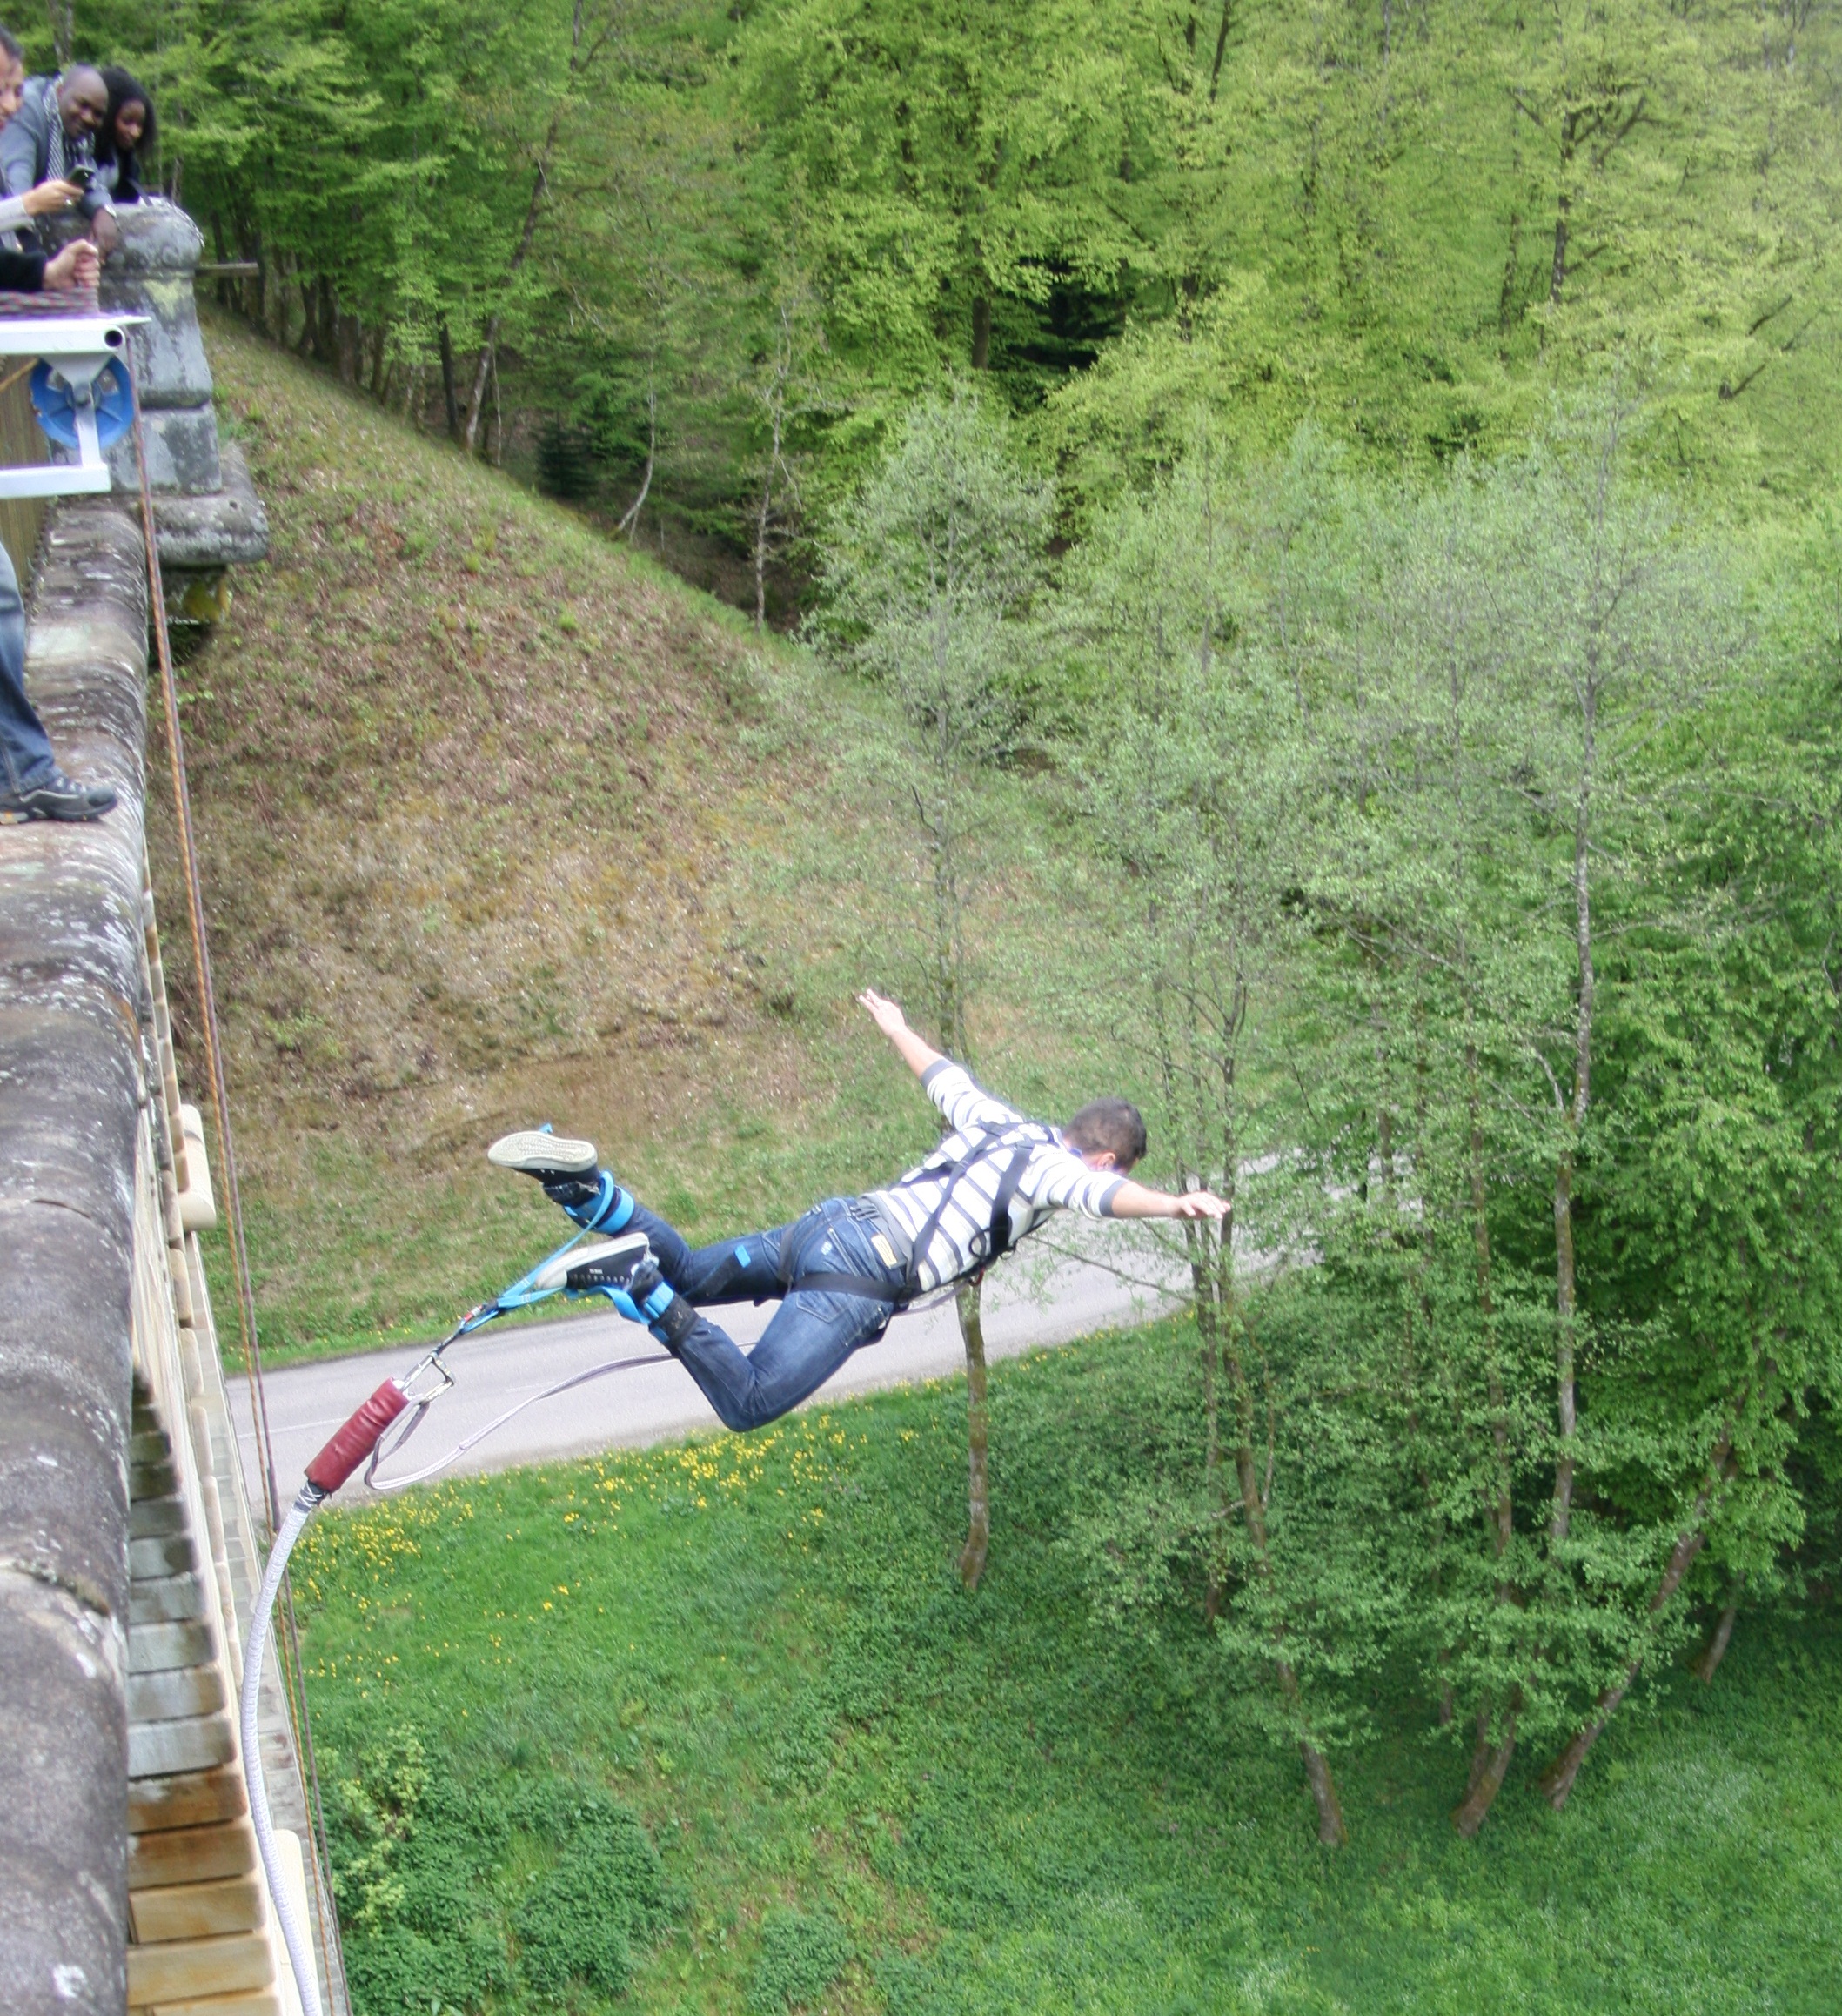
(70, 1049)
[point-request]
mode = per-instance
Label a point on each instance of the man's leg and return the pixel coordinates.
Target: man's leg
(31, 784)
(811, 1335)
(25, 749)
(745, 1269)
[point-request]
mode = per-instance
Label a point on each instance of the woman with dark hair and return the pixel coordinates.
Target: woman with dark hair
(129, 129)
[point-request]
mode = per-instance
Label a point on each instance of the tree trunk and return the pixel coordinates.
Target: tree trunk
(1566, 1290)
(630, 517)
(447, 383)
(1708, 1663)
(1557, 270)
(978, 1432)
(482, 374)
(326, 324)
(1490, 1766)
(763, 506)
(377, 338)
(62, 16)
(1206, 1283)
(350, 345)
(1506, 314)
(981, 333)
(1331, 1830)
(1557, 1779)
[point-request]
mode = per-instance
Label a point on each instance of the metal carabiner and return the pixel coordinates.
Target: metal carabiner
(431, 1363)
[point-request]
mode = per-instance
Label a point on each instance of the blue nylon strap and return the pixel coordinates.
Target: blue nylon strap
(610, 1210)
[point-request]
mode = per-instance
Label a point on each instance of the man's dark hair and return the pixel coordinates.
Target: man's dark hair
(1115, 1124)
(9, 45)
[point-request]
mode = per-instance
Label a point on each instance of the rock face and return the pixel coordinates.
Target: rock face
(208, 514)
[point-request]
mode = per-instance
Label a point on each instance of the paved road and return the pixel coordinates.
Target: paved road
(1067, 1299)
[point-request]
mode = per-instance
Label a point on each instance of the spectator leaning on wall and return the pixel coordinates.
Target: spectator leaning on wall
(54, 131)
(31, 784)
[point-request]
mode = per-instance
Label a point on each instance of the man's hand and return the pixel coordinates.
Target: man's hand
(76, 265)
(883, 1012)
(50, 196)
(108, 231)
(1199, 1204)
(920, 1057)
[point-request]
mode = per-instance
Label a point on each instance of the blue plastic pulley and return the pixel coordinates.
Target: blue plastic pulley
(55, 406)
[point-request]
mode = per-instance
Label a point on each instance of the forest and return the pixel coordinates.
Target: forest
(1337, 502)
(691, 264)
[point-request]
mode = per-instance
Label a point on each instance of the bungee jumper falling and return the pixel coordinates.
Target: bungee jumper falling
(840, 1273)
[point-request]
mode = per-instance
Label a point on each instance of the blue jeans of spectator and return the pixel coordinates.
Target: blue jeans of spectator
(812, 1333)
(25, 749)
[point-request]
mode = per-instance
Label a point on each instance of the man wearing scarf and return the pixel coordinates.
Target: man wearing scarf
(54, 131)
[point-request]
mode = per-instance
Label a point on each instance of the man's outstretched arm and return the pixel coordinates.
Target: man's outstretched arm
(1133, 1200)
(920, 1057)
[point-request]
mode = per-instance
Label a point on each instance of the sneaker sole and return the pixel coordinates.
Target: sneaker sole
(556, 1273)
(532, 1151)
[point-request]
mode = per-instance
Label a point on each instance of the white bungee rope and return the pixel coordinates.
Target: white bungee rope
(363, 1439)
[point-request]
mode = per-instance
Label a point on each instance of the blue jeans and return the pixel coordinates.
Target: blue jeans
(25, 749)
(812, 1333)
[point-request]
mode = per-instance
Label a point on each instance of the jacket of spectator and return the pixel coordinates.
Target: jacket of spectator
(35, 148)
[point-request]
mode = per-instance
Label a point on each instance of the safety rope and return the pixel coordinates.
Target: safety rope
(293, 1678)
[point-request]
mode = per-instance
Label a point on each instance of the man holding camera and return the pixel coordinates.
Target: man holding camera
(50, 139)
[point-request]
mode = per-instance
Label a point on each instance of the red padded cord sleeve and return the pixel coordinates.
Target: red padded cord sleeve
(356, 1440)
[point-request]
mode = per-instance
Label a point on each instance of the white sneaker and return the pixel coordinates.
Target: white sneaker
(546, 1156)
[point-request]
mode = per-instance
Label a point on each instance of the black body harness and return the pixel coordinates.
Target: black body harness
(990, 1242)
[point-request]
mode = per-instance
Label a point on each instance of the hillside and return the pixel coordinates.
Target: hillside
(498, 824)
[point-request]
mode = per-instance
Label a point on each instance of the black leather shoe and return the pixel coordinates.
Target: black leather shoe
(58, 797)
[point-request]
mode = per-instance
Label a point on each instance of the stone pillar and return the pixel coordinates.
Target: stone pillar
(205, 508)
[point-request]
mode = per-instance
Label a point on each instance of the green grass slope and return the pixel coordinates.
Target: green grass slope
(498, 823)
(870, 1791)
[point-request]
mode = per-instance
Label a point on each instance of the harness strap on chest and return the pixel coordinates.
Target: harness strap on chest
(994, 1240)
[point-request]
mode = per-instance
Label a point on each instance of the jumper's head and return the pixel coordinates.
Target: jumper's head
(1108, 1135)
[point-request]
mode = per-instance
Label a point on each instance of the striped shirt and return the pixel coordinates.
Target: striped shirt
(1054, 1178)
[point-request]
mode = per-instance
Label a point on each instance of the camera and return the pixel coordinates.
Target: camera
(81, 173)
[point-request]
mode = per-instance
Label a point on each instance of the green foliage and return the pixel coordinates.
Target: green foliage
(925, 589)
(1018, 1811)
(604, 1894)
(802, 1953)
(432, 1876)
(1407, 222)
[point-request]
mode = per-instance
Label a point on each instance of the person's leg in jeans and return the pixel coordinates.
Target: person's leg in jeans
(812, 1333)
(31, 784)
(25, 749)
